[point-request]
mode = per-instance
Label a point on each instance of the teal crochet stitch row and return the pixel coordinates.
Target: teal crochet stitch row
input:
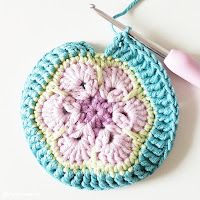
(157, 86)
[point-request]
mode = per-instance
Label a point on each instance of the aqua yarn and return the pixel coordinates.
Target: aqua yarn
(99, 121)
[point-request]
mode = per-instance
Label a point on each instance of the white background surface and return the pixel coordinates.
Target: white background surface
(28, 29)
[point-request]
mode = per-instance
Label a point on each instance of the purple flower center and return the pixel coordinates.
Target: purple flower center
(96, 111)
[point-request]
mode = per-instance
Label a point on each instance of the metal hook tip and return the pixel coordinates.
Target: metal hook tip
(92, 5)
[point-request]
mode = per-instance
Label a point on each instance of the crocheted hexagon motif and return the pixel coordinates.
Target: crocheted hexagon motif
(99, 121)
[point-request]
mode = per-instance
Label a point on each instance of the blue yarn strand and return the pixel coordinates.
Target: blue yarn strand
(129, 7)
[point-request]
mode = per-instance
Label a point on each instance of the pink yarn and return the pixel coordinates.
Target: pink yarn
(76, 145)
(112, 146)
(80, 80)
(59, 111)
(116, 84)
(94, 117)
(130, 115)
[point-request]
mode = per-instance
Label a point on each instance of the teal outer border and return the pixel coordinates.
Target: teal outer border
(157, 85)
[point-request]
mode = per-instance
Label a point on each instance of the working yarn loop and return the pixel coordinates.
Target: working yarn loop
(100, 121)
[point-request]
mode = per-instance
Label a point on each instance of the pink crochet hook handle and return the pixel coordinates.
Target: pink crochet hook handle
(177, 61)
(184, 66)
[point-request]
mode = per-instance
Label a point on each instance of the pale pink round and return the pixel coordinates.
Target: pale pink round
(94, 117)
(116, 84)
(80, 80)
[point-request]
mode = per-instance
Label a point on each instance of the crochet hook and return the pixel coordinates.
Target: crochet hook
(177, 61)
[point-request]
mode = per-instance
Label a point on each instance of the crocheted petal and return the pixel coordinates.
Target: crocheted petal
(79, 80)
(116, 84)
